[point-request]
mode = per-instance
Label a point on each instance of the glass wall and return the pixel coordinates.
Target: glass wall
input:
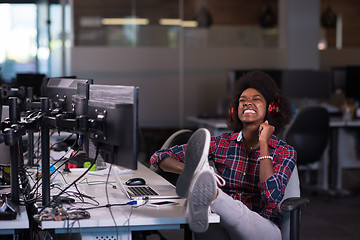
(159, 23)
(60, 42)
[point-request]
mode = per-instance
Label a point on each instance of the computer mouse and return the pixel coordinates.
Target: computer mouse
(135, 181)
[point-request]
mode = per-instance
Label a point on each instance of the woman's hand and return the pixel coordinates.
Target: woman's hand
(266, 167)
(265, 131)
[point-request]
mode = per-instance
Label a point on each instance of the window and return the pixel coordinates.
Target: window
(18, 47)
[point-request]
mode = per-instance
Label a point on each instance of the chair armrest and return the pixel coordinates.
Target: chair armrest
(293, 203)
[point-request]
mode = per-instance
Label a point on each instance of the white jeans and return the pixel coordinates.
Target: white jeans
(237, 221)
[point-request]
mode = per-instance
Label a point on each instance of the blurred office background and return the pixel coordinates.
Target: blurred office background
(180, 54)
(177, 52)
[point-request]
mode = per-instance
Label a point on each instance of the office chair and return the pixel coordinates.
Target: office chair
(178, 138)
(290, 208)
(308, 133)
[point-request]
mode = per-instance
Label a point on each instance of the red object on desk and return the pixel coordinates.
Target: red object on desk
(70, 165)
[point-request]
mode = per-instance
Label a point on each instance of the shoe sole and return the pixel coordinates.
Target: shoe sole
(201, 195)
(196, 150)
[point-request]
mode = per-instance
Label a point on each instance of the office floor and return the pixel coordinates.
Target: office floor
(323, 219)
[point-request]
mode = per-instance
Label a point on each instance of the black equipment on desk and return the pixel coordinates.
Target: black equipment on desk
(8, 210)
(117, 139)
(105, 114)
(61, 90)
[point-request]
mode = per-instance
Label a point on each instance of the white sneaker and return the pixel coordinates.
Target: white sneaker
(202, 192)
(196, 160)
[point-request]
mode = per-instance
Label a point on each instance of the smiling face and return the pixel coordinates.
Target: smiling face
(252, 107)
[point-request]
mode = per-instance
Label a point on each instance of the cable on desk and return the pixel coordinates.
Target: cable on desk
(108, 202)
(90, 183)
(40, 154)
(76, 180)
(131, 203)
(38, 183)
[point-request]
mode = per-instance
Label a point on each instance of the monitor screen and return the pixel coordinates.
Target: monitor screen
(62, 90)
(338, 79)
(306, 84)
(33, 80)
(4, 149)
(117, 137)
(352, 85)
(234, 75)
(294, 84)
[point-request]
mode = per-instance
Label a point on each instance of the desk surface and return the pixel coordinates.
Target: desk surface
(21, 222)
(126, 217)
(340, 122)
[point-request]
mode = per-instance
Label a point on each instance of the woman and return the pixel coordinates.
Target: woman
(254, 163)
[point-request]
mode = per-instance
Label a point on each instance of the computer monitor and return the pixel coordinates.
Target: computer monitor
(338, 79)
(33, 80)
(4, 149)
(117, 137)
(306, 84)
(352, 85)
(62, 90)
(236, 74)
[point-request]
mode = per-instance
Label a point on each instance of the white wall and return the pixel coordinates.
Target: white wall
(299, 32)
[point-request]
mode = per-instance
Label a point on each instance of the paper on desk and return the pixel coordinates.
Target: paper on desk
(104, 172)
(122, 171)
(57, 155)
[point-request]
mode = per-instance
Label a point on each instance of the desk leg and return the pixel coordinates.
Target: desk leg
(323, 172)
(187, 232)
(334, 160)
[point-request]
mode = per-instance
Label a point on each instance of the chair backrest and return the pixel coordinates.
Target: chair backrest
(292, 190)
(178, 138)
(308, 133)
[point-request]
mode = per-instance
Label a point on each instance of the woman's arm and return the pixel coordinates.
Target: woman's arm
(169, 160)
(171, 165)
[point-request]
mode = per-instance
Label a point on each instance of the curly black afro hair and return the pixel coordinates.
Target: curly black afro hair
(263, 83)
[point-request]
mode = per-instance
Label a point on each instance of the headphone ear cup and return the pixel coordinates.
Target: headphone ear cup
(274, 108)
(231, 112)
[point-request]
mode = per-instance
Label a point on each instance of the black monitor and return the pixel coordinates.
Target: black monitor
(295, 84)
(236, 74)
(4, 149)
(306, 84)
(33, 80)
(346, 79)
(117, 140)
(338, 79)
(61, 91)
(352, 85)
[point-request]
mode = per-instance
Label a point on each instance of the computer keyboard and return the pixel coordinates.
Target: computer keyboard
(143, 191)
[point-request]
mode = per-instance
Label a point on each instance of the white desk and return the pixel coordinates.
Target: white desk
(343, 148)
(9, 227)
(128, 219)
